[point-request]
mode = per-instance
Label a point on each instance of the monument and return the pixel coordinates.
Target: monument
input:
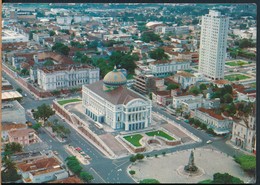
(191, 166)
(190, 170)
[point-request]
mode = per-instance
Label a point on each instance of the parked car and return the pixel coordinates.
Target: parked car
(209, 141)
(55, 152)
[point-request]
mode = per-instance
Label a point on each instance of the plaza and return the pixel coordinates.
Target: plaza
(165, 168)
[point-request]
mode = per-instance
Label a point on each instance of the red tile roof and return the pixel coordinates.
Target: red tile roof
(211, 113)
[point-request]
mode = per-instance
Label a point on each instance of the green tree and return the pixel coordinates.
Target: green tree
(52, 33)
(149, 181)
(13, 147)
(139, 156)
(48, 63)
(203, 87)
(19, 90)
(242, 26)
(36, 126)
(172, 86)
(132, 159)
(228, 98)
(247, 162)
(132, 172)
(25, 71)
(163, 153)
(195, 90)
(150, 36)
(123, 30)
(44, 111)
(93, 44)
(225, 178)
(158, 54)
(9, 173)
(61, 48)
(115, 32)
(86, 177)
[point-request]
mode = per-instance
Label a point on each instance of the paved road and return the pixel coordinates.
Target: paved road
(102, 168)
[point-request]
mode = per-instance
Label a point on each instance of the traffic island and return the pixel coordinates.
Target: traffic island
(74, 152)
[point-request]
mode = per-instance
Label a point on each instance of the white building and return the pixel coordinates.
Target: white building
(178, 100)
(244, 133)
(9, 36)
(165, 67)
(213, 44)
(39, 37)
(64, 20)
(111, 102)
(218, 123)
(58, 76)
(186, 79)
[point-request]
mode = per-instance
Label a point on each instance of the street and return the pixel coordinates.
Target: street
(102, 168)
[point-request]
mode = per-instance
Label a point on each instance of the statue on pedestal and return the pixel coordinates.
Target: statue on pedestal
(191, 166)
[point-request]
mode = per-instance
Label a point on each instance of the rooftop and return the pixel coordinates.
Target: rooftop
(46, 163)
(72, 179)
(60, 67)
(211, 113)
(120, 95)
(185, 74)
(14, 126)
(20, 133)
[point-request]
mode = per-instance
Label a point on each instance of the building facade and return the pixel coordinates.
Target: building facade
(111, 102)
(213, 44)
(218, 123)
(58, 77)
(165, 68)
(244, 133)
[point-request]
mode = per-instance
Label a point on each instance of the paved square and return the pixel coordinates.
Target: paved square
(164, 168)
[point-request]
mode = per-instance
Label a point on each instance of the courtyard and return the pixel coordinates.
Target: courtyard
(234, 77)
(236, 63)
(209, 160)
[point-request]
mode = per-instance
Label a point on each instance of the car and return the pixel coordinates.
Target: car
(55, 152)
(209, 141)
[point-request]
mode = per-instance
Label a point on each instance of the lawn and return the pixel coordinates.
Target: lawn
(208, 181)
(234, 76)
(196, 67)
(134, 139)
(253, 85)
(63, 102)
(160, 133)
(236, 63)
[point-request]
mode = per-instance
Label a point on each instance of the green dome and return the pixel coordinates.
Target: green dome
(115, 78)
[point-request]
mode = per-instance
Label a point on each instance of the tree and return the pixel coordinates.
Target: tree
(132, 159)
(150, 36)
(156, 155)
(9, 173)
(228, 98)
(172, 86)
(123, 30)
(13, 147)
(158, 54)
(139, 156)
(25, 71)
(246, 43)
(115, 32)
(132, 172)
(86, 177)
(195, 90)
(52, 33)
(247, 162)
(44, 111)
(36, 126)
(149, 181)
(65, 31)
(93, 44)
(48, 63)
(19, 90)
(163, 153)
(61, 48)
(242, 26)
(203, 87)
(225, 178)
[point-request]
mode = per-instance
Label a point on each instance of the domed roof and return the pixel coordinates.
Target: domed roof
(115, 77)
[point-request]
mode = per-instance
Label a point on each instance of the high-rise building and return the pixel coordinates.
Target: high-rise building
(213, 44)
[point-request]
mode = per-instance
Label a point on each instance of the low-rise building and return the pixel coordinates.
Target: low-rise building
(13, 112)
(165, 67)
(9, 36)
(160, 97)
(39, 37)
(177, 100)
(244, 133)
(219, 124)
(66, 76)
(6, 127)
(24, 137)
(42, 170)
